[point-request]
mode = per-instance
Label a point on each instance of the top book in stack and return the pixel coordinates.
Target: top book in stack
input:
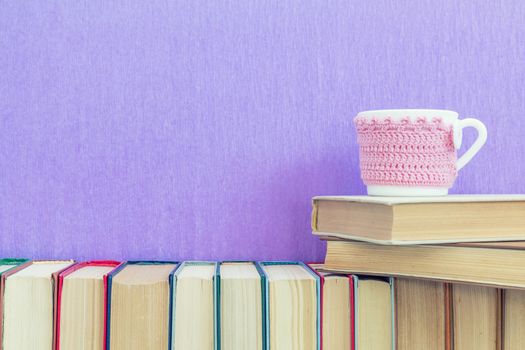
(420, 220)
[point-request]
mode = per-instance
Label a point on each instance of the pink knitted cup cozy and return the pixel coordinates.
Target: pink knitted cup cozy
(406, 152)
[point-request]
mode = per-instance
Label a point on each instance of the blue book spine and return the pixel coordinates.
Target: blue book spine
(108, 295)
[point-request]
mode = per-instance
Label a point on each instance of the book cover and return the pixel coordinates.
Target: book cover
(423, 314)
(477, 317)
(513, 318)
(397, 220)
(55, 289)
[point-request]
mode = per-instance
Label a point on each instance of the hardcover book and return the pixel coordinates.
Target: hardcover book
(420, 220)
(292, 325)
(80, 306)
(513, 319)
(7, 267)
(476, 317)
(138, 311)
(374, 313)
(337, 309)
(497, 267)
(29, 297)
(423, 316)
(241, 306)
(195, 306)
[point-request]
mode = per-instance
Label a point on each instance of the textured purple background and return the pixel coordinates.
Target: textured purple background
(201, 129)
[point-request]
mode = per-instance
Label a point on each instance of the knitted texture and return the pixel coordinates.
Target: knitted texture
(406, 152)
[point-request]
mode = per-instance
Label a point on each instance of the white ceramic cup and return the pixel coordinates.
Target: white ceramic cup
(447, 119)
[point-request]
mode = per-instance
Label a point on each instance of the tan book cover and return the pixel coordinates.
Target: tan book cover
(420, 220)
(449, 263)
(374, 321)
(291, 325)
(476, 317)
(422, 311)
(513, 319)
(139, 300)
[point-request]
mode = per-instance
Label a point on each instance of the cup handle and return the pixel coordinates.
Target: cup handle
(476, 146)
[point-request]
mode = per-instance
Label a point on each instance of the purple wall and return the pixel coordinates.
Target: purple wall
(201, 129)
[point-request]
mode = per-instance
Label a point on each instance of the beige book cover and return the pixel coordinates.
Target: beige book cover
(420, 220)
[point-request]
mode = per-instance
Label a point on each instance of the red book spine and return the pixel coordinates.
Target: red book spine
(352, 305)
(352, 313)
(59, 283)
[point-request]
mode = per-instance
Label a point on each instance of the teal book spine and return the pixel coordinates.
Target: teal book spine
(217, 306)
(391, 282)
(108, 285)
(16, 264)
(216, 300)
(13, 261)
(267, 298)
(263, 299)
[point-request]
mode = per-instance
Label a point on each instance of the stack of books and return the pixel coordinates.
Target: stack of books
(428, 273)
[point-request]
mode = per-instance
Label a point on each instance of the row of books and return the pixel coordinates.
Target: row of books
(245, 305)
(154, 305)
(457, 262)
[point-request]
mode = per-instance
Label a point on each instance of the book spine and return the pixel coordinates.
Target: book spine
(391, 281)
(500, 293)
(266, 304)
(352, 312)
(264, 301)
(13, 261)
(355, 324)
(449, 322)
(171, 313)
(320, 302)
(55, 280)
(107, 303)
(217, 306)
(58, 305)
(314, 215)
(150, 262)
